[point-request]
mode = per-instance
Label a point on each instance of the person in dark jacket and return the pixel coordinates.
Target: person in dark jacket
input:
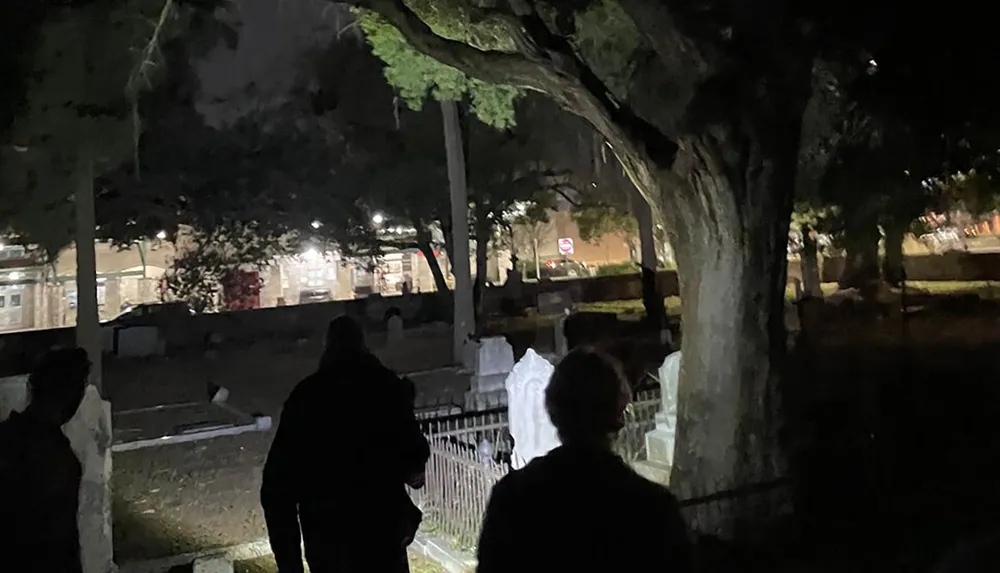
(346, 446)
(581, 507)
(40, 472)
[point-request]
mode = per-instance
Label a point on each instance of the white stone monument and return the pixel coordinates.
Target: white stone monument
(660, 441)
(492, 360)
(394, 330)
(89, 434)
(530, 426)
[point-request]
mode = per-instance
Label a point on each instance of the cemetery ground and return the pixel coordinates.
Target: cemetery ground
(890, 435)
(266, 565)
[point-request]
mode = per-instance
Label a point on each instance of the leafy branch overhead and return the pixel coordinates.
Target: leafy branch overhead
(417, 76)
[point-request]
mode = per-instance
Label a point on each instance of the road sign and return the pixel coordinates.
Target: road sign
(565, 246)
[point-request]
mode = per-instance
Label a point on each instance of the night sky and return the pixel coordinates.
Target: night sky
(274, 35)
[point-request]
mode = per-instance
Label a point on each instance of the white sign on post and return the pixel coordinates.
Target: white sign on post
(566, 246)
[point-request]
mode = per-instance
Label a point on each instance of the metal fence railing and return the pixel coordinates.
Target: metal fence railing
(456, 492)
(470, 453)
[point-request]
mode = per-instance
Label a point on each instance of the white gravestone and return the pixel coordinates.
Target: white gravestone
(530, 426)
(660, 441)
(493, 359)
(394, 332)
(89, 433)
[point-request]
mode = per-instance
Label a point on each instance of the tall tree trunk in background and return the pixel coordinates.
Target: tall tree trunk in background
(464, 321)
(424, 244)
(811, 282)
(89, 431)
(652, 300)
(88, 321)
(861, 255)
(892, 263)
(483, 232)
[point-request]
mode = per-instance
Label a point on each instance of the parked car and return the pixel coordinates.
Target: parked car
(315, 295)
(563, 269)
(147, 313)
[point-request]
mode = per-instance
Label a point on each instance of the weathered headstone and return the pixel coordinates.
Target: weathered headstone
(89, 433)
(555, 302)
(394, 330)
(660, 441)
(13, 395)
(493, 360)
(530, 426)
(139, 342)
(792, 323)
(561, 343)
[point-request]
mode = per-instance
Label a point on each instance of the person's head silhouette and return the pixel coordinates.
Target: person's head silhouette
(586, 398)
(58, 383)
(344, 337)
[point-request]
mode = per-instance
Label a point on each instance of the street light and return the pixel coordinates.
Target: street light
(316, 224)
(311, 254)
(378, 218)
(161, 235)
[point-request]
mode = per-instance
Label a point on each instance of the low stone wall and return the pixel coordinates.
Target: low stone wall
(953, 266)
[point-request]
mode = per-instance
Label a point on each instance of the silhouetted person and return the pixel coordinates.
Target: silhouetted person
(580, 507)
(39, 472)
(334, 478)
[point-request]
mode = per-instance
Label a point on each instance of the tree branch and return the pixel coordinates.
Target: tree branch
(551, 70)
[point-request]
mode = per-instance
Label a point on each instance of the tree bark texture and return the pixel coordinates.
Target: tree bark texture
(861, 256)
(88, 322)
(464, 322)
(733, 215)
(811, 281)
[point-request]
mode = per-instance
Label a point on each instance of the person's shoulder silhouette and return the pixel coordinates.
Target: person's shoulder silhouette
(37, 461)
(581, 506)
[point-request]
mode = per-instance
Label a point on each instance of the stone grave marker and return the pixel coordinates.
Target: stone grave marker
(394, 330)
(13, 395)
(89, 433)
(555, 303)
(530, 426)
(493, 360)
(660, 441)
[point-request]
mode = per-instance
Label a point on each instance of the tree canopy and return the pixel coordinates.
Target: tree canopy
(85, 70)
(712, 108)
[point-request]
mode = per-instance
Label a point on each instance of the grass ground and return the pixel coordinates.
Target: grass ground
(266, 565)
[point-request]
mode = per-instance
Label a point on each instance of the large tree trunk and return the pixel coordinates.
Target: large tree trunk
(731, 224)
(88, 321)
(861, 256)
(464, 322)
(652, 300)
(811, 282)
(892, 262)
